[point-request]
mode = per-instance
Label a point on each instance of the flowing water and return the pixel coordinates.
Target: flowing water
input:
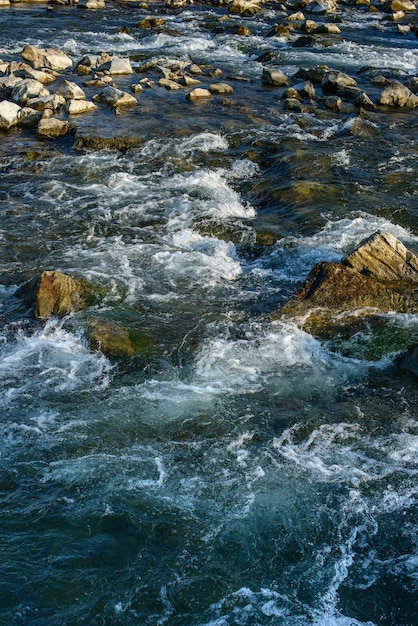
(238, 470)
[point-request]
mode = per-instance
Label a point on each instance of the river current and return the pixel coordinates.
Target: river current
(239, 471)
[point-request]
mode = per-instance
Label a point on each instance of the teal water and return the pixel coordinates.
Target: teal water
(238, 471)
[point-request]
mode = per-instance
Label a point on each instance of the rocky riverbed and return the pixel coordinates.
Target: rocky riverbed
(208, 313)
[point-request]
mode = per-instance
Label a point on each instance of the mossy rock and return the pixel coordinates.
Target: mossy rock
(114, 340)
(94, 144)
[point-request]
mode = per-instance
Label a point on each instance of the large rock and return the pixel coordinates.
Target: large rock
(46, 57)
(392, 6)
(26, 71)
(117, 66)
(9, 114)
(54, 293)
(27, 89)
(7, 84)
(52, 127)
(322, 7)
(91, 4)
(398, 95)
(70, 91)
(334, 82)
(51, 102)
(334, 288)
(115, 97)
(385, 258)
(274, 77)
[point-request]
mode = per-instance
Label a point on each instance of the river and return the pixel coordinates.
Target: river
(239, 471)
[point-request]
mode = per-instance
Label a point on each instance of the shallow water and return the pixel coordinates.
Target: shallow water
(239, 470)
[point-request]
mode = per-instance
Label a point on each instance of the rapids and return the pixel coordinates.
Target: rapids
(239, 471)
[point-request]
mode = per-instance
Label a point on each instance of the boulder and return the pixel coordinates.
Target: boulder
(27, 89)
(52, 127)
(392, 6)
(117, 66)
(151, 22)
(51, 102)
(7, 84)
(70, 91)
(398, 95)
(412, 84)
(274, 77)
(333, 82)
(335, 289)
(9, 114)
(54, 293)
(305, 90)
(29, 118)
(322, 7)
(77, 107)
(115, 97)
(385, 258)
(46, 57)
(26, 71)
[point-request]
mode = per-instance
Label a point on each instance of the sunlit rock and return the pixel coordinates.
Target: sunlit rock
(54, 293)
(52, 127)
(333, 82)
(398, 95)
(220, 88)
(385, 258)
(91, 4)
(27, 89)
(52, 102)
(117, 66)
(115, 97)
(199, 93)
(274, 77)
(70, 91)
(77, 107)
(246, 8)
(9, 114)
(47, 58)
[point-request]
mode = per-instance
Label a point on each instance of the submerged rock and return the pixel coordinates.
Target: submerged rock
(110, 338)
(408, 360)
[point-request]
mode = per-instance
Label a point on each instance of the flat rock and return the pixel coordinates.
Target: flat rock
(46, 57)
(91, 4)
(220, 88)
(9, 114)
(117, 66)
(77, 107)
(199, 93)
(110, 338)
(385, 258)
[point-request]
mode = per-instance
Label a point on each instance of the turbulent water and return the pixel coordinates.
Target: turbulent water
(238, 471)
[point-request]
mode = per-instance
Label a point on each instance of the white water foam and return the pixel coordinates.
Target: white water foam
(52, 360)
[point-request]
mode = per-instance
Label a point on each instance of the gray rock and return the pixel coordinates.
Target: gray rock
(117, 66)
(52, 127)
(115, 97)
(9, 114)
(27, 89)
(274, 77)
(70, 91)
(332, 82)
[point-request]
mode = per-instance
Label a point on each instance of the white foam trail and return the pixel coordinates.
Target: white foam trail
(52, 360)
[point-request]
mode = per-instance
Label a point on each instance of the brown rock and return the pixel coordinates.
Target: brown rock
(334, 288)
(385, 258)
(52, 127)
(110, 338)
(274, 77)
(54, 293)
